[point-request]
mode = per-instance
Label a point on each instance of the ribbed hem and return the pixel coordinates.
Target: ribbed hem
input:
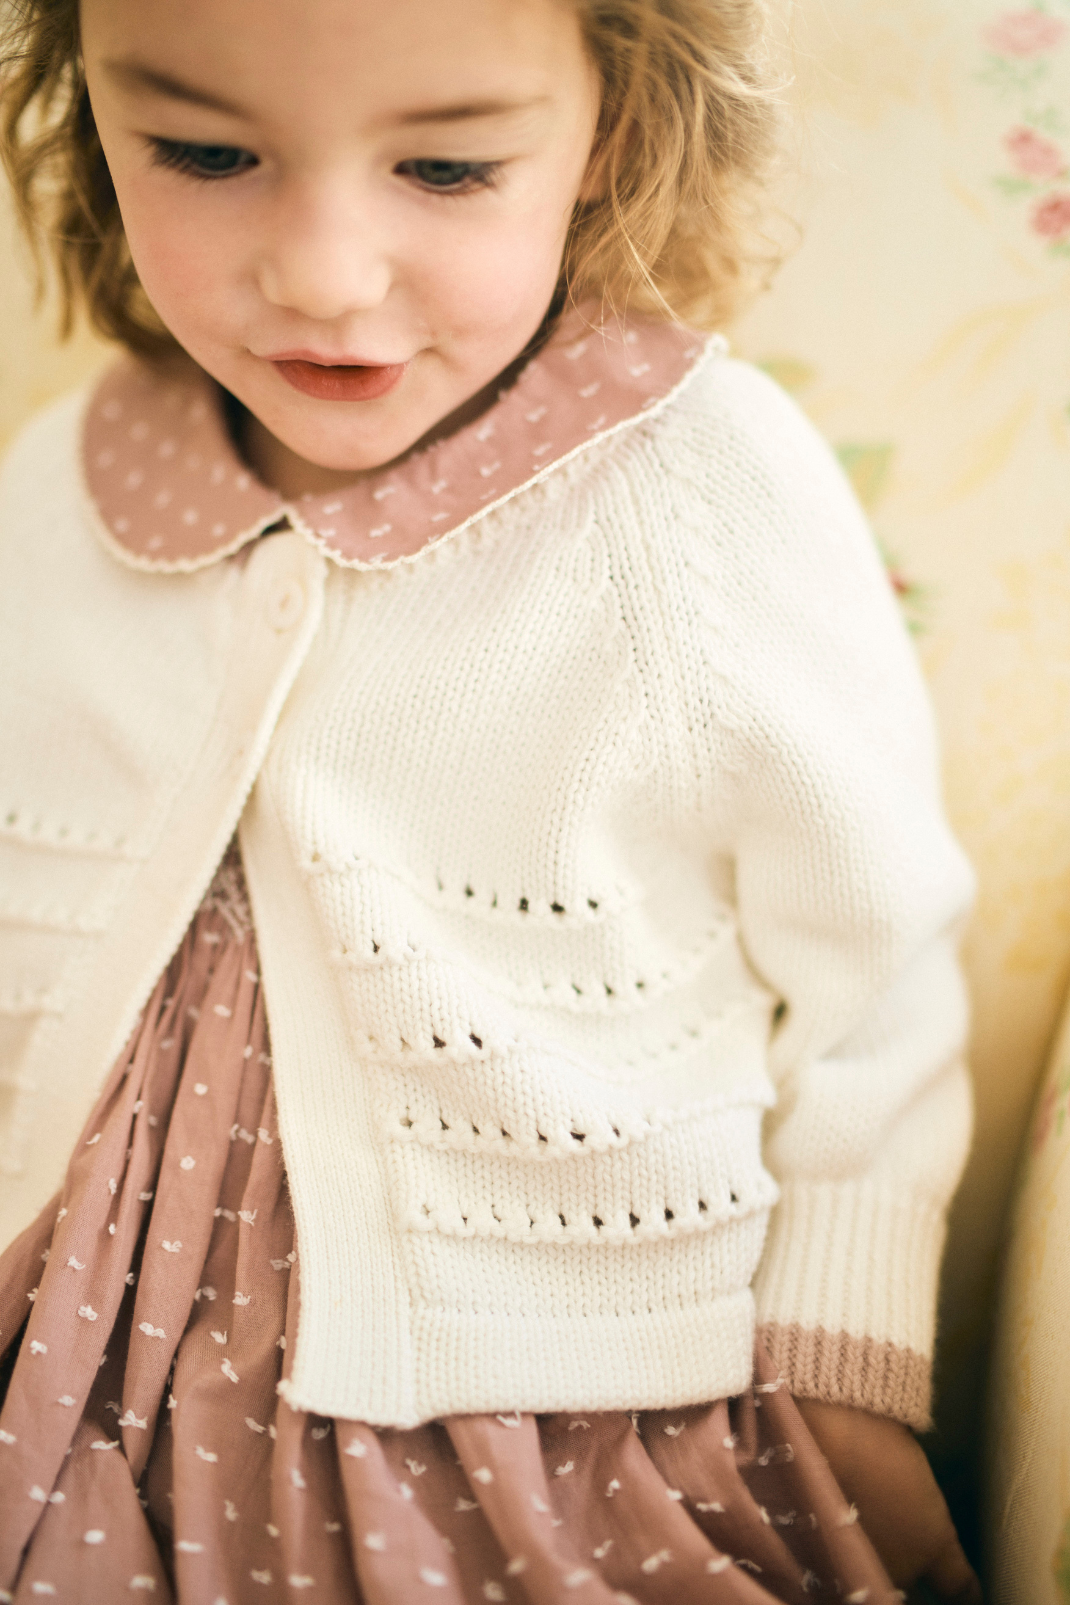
(863, 1372)
(854, 1267)
(474, 1365)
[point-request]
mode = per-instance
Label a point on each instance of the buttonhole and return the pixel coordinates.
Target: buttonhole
(669, 1215)
(438, 1042)
(523, 905)
(633, 1220)
(556, 908)
(473, 1038)
(702, 1206)
(592, 902)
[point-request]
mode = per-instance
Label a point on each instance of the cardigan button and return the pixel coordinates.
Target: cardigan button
(286, 607)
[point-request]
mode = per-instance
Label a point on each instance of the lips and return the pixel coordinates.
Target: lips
(347, 381)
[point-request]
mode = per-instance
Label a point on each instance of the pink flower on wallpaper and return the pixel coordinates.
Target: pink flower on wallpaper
(1051, 217)
(1044, 1118)
(1024, 33)
(1034, 155)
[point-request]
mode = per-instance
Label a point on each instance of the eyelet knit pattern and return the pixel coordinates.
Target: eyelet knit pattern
(605, 906)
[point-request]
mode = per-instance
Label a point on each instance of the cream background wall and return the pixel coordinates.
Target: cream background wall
(924, 323)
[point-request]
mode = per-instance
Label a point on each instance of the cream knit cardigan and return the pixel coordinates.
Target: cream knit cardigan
(574, 845)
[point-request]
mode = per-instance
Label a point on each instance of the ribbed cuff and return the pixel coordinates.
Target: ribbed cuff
(848, 1278)
(861, 1372)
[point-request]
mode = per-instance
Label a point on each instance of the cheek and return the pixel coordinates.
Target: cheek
(183, 259)
(491, 278)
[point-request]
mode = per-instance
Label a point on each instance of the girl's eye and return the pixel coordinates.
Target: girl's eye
(451, 178)
(202, 161)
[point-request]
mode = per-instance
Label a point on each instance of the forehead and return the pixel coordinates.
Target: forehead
(365, 57)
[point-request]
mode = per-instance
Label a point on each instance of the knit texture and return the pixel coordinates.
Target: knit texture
(575, 843)
(860, 1372)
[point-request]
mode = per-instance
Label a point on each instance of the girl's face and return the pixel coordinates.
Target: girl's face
(351, 213)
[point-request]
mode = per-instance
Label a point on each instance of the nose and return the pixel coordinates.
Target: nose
(327, 253)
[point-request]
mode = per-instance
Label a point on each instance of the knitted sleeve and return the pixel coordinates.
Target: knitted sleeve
(820, 767)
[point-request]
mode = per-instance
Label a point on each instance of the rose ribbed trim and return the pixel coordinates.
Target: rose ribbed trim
(863, 1372)
(168, 492)
(858, 1265)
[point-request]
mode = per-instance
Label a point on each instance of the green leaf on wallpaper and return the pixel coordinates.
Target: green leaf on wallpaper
(1048, 119)
(791, 374)
(1060, 1563)
(1010, 76)
(1009, 185)
(866, 466)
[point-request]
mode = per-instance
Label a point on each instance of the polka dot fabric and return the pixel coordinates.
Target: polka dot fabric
(144, 1451)
(170, 493)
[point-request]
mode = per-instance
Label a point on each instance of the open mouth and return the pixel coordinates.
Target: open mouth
(340, 382)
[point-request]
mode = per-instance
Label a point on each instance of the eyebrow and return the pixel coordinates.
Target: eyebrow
(137, 75)
(468, 109)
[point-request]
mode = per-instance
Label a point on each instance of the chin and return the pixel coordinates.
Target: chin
(345, 459)
(327, 435)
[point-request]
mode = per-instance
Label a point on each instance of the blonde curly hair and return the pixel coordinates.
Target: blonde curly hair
(685, 138)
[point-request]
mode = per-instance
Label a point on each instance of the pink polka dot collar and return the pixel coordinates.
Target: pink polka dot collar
(168, 491)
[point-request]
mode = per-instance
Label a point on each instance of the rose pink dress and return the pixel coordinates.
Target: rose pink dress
(144, 1450)
(148, 1315)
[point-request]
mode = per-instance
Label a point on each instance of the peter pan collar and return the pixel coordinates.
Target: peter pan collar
(168, 492)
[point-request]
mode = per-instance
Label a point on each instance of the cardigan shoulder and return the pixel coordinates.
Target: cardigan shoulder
(732, 509)
(757, 469)
(42, 457)
(44, 515)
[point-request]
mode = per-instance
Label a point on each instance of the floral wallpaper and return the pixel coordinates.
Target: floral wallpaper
(1019, 68)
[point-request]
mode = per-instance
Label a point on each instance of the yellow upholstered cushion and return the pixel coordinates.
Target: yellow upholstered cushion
(1029, 1502)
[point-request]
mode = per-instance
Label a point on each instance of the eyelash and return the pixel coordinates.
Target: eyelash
(188, 159)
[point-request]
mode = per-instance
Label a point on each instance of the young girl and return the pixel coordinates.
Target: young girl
(411, 1221)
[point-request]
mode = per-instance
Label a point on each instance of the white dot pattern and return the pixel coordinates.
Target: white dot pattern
(172, 494)
(264, 1500)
